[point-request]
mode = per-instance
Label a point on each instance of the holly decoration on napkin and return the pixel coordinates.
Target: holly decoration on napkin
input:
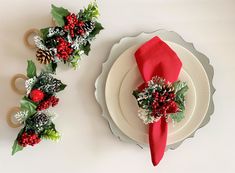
(33, 115)
(159, 98)
(70, 39)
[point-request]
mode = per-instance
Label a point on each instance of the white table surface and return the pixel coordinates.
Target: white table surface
(87, 145)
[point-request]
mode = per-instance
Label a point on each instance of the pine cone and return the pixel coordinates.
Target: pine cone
(52, 86)
(167, 89)
(88, 26)
(44, 56)
(55, 86)
(44, 78)
(38, 121)
(48, 84)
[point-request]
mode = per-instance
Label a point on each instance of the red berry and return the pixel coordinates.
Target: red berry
(54, 101)
(163, 104)
(51, 101)
(172, 96)
(173, 107)
(81, 32)
(81, 23)
(63, 49)
(71, 22)
(36, 95)
(29, 138)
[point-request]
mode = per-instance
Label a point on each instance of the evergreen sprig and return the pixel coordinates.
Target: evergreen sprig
(51, 134)
(89, 13)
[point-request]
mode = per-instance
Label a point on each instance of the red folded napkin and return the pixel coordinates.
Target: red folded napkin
(156, 58)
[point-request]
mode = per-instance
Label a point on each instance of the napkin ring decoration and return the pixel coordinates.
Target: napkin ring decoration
(69, 39)
(158, 98)
(33, 114)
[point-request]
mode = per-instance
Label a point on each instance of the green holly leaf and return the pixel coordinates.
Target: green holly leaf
(31, 69)
(180, 99)
(58, 14)
(86, 48)
(16, 147)
(26, 104)
(96, 30)
(62, 87)
(177, 117)
(44, 32)
(51, 67)
(180, 87)
(180, 90)
(135, 93)
(183, 91)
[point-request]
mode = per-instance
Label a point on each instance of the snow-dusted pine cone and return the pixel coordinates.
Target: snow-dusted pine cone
(48, 84)
(38, 121)
(88, 26)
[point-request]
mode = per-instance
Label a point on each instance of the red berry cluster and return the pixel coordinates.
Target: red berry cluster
(164, 104)
(51, 101)
(28, 139)
(63, 49)
(71, 23)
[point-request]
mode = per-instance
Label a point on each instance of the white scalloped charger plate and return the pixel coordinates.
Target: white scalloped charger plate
(124, 77)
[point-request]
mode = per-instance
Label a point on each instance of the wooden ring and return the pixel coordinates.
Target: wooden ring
(27, 35)
(9, 117)
(13, 83)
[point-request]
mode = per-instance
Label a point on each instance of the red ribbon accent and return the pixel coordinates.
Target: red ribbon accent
(156, 58)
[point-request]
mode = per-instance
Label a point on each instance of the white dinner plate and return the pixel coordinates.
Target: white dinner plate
(124, 77)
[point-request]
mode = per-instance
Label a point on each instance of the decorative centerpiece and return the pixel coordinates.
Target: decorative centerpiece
(34, 115)
(70, 38)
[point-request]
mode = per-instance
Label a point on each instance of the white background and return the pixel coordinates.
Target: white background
(87, 145)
